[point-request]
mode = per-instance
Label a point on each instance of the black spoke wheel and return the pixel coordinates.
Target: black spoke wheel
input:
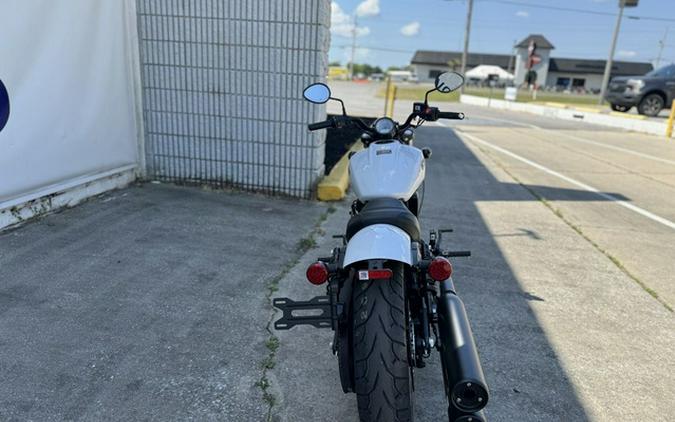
(382, 376)
(651, 105)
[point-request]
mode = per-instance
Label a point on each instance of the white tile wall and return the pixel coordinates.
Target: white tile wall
(222, 90)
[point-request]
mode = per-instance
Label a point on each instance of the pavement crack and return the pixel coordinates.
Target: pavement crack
(272, 343)
(577, 229)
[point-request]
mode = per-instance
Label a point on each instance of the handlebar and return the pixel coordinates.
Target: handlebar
(321, 125)
(420, 110)
(450, 115)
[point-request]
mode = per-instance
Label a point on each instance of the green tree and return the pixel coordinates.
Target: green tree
(366, 69)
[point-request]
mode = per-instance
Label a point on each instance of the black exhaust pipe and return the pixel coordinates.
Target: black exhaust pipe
(459, 416)
(465, 384)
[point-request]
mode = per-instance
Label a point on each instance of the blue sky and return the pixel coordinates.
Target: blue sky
(439, 25)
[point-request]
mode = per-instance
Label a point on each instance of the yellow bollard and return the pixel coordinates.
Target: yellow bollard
(386, 95)
(392, 99)
(669, 125)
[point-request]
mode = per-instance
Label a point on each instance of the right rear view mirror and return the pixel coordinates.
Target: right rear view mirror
(449, 81)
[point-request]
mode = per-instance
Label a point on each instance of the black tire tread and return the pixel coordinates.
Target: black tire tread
(381, 372)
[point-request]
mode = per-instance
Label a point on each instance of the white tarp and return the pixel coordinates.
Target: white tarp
(484, 71)
(67, 66)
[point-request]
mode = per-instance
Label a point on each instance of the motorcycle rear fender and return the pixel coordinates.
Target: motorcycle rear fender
(379, 241)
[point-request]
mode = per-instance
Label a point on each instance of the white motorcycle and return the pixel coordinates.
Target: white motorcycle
(390, 297)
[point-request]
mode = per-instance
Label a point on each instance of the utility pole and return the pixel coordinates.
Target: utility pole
(662, 43)
(608, 66)
(512, 57)
(467, 32)
(351, 63)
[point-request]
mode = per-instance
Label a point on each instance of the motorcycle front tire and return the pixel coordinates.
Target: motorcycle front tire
(382, 376)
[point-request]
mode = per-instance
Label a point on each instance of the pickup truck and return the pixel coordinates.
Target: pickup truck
(649, 93)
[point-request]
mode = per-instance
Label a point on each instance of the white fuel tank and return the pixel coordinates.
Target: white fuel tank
(386, 169)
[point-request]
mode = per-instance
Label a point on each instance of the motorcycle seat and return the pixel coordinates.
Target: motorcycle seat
(385, 211)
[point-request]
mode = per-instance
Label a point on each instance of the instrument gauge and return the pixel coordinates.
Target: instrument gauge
(384, 126)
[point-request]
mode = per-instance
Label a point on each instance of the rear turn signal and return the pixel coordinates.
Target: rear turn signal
(440, 269)
(317, 273)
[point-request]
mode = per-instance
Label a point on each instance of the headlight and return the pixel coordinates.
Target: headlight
(635, 84)
(384, 126)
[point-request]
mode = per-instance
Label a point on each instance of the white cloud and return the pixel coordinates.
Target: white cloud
(411, 29)
(341, 24)
(362, 31)
(522, 14)
(337, 15)
(627, 53)
(368, 8)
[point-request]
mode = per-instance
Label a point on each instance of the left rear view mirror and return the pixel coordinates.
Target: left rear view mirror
(317, 93)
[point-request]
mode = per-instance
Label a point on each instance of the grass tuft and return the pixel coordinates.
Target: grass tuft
(272, 342)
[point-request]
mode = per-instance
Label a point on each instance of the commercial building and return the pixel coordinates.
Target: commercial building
(552, 72)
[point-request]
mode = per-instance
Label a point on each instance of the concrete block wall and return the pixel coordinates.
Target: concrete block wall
(222, 91)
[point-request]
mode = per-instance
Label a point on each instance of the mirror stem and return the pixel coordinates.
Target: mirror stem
(344, 112)
(426, 96)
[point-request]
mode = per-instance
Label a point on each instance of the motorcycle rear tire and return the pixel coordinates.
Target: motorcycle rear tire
(382, 376)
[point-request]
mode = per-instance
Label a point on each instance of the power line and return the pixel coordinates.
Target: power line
(574, 10)
(562, 9)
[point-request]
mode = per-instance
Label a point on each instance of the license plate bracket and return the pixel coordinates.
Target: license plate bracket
(319, 307)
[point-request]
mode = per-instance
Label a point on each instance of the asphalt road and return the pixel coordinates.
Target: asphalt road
(146, 304)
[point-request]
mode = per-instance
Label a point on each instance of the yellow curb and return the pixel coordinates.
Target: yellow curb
(334, 185)
(587, 109)
(557, 105)
(628, 116)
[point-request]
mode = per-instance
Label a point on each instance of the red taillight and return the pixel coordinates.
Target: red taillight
(440, 269)
(317, 273)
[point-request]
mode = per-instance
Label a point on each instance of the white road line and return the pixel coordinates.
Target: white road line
(574, 182)
(584, 140)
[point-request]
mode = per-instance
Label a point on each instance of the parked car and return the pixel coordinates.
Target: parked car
(649, 93)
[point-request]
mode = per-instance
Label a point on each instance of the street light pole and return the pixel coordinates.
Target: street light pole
(467, 32)
(608, 66)
(662, 43)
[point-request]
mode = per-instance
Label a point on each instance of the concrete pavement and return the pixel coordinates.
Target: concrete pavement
(564, 334)
(635, 224)
(559, 292)
(636, 168)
